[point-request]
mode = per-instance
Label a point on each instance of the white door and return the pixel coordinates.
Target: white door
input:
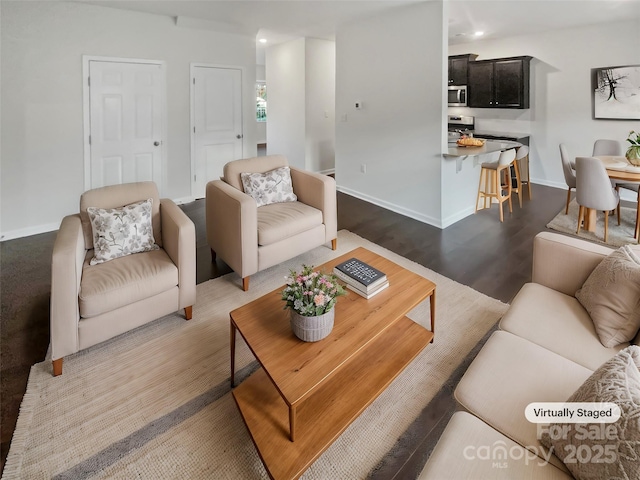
(217, 122)
(126, 122)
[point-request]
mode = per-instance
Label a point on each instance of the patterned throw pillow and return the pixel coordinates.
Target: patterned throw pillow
(121, 231)
(611, 295)
(597, 451)
(271, 187)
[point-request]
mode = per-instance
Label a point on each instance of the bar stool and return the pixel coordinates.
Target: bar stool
(493, 185)
(521, 167)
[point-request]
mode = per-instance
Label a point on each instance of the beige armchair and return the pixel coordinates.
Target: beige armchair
(250, 238)
(93, 303)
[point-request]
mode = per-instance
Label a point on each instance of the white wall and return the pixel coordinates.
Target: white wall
(301, 102)
(42, 120)
(394, 64)
(320, 88)
(561, 96)
(285, 65)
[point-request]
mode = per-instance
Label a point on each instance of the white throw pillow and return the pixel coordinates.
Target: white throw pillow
(270, 187)
(588, 452)
(121, 231)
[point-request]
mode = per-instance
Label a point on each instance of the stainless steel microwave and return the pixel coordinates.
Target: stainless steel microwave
(457, 95)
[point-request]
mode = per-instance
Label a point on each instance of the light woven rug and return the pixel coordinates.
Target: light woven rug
(156, 403)
(618, 234)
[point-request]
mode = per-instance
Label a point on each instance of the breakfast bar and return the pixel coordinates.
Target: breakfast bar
(460, 153)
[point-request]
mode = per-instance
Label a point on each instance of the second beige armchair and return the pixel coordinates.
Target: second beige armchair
(249, 238)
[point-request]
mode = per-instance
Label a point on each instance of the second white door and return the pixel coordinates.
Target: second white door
(217, 122)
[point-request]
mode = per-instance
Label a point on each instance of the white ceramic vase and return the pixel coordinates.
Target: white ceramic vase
(312, 329)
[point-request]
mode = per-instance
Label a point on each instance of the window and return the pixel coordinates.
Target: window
(261, 102)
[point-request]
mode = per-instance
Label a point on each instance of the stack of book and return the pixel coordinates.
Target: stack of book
(361, 277)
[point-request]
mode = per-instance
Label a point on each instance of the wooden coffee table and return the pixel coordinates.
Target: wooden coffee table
(306, 394)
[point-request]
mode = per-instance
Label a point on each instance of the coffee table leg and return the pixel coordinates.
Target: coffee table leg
(292, 422)
(433, 314)
(233, 353)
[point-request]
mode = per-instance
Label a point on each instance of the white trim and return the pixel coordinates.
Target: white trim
(330, 171)
(192, 113)
(390, 206)
(28, 231)
(86, 113)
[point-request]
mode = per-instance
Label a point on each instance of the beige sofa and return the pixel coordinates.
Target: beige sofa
(93, 303)
(250, 238)
(545, 349)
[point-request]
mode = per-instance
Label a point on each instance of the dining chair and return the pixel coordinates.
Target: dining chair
(493, 184)
(594, 191)
(569, 173)
(606, 147)
(521, 168)
(634, 187)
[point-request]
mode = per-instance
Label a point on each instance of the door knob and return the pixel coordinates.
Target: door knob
(238, 136)
(156, 143)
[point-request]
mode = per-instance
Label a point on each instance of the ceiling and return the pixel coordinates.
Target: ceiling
(280, 21)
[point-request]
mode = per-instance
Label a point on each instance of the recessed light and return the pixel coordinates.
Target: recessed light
(479, 34)
(263, 40)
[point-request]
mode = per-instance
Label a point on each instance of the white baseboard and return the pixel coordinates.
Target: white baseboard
(26, 232)
(330, 171)
(407, 212)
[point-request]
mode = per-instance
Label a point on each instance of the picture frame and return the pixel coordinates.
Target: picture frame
(616, 92)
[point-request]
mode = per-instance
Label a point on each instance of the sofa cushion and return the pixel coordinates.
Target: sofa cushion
(611, 295)
(283, 220)
(557, 322)
(508, 374)
(125, 280)
(618, 382)
(232, 170)
(270, 187)
(469, 448)
(121, 231)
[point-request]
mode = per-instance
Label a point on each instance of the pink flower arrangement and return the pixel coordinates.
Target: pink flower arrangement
(311, 293)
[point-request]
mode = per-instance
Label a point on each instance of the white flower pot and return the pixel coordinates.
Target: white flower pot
(312, 329)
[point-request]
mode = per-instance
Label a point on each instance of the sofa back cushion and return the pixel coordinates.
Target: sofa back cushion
(115, 196)
(232, 170)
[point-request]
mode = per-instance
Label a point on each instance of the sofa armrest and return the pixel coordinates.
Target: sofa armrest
(564, 263)
(66, 272)
(232, 226)
(318, 191)
(179, 241)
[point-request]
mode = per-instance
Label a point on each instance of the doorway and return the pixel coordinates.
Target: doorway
(217, 129)
(124, 104)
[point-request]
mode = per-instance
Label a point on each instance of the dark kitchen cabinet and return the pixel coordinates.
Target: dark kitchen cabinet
(499, 83)
(458, 68)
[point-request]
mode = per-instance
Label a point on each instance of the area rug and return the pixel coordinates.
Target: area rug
(618, 234)
(156, 402)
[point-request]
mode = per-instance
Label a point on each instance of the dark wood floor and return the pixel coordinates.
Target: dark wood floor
(478, 251)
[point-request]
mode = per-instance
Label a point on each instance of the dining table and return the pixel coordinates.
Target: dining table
(620, 170)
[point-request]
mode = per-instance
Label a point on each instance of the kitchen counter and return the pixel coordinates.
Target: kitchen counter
(490, 146)
(522, 138)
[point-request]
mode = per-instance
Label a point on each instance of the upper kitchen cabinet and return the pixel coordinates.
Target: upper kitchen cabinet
(499, 83)
(458, 68)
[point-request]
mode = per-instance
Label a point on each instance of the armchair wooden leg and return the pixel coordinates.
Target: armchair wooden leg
(188, 312)
(57, 367)
(566, 210)
(213, 256)
(245, 284)
(334, 244)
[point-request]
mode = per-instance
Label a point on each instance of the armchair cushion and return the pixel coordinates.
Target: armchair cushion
(124, 281)
(279, 221)
(270, 187)
(118, 232)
